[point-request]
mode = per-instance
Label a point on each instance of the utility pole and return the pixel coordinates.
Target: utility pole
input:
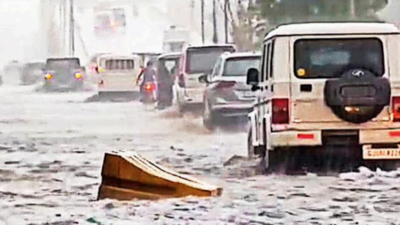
(215, 34)
(226, 20)
(202, 21)
(72, 28)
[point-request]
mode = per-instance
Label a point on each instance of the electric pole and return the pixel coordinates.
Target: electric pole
(72, 28)
(215, 34)
(202, 21)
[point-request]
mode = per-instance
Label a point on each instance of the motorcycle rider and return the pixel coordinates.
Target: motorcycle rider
(149, 75)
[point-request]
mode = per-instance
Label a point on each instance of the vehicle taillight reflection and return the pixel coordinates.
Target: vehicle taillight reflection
(396, 109)
(149, 87)
(280, 111)
(48, 76)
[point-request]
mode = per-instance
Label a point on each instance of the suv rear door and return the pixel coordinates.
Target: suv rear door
(120, 73)
(315, 60)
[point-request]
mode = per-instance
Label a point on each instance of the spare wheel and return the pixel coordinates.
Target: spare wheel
(357, 96)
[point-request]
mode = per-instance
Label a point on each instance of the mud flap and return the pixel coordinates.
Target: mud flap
(128, 176)
(267, 144)
(253, 126)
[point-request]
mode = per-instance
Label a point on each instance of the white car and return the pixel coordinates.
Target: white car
(118, 74)
(196, 61)
(328, 86)
(226, 94)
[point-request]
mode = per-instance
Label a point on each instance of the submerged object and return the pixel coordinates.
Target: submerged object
(129, 176)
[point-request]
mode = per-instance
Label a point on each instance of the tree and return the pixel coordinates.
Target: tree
(240, 21)
(288, 11)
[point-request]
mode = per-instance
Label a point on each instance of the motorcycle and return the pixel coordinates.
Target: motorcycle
(149, 93)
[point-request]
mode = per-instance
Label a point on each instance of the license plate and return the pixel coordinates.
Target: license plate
(376, 154)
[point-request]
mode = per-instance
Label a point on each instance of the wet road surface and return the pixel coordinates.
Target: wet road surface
(52, 147)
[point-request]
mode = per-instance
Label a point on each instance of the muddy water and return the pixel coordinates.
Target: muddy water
(51, 150)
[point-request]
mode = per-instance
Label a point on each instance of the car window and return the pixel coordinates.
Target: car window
(271, 60)
(167, 67)
(240, 65)
(202, 60)
(330, 58)
(171, 64)
(217, 68)
(265, 71)
(120, 64)
(263, 64)
(63, 64)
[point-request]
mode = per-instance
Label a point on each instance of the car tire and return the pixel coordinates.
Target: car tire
(254, 151)
(208, 117)
(250, 147)
(101, 94)
(181, 107)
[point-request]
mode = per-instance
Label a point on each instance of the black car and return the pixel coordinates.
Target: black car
(32, 73)
(63, 74)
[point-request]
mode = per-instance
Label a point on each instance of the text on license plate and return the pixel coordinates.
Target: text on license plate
(381, 153)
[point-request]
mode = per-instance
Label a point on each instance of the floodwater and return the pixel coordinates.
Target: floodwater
(52, 146)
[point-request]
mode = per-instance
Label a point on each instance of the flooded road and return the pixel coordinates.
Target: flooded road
(52, 147)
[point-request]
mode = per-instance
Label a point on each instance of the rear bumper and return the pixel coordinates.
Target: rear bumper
(233, 109)
(61, 86)
(315, 137)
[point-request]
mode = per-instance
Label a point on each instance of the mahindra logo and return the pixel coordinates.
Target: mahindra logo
(357, 73)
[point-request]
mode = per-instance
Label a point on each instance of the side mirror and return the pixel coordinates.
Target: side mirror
(252, 77)
(203, 79)
(96, 69)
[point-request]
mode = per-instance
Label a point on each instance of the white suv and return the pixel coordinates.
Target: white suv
(328, 85)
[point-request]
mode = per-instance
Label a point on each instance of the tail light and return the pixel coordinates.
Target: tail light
(149, 87)
(280, 111)
(78, 75)
(396, 109)
(225, 85)
(48, 76)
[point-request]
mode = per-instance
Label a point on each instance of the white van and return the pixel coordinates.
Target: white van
(325, 86)
(196, 61)
(118, 74)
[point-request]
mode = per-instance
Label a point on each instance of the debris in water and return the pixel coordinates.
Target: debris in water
(93, 220)
(128, 176)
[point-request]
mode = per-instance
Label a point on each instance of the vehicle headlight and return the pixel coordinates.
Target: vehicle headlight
(78, 75)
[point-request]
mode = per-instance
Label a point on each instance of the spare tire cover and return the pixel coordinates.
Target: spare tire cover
(360, 89)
